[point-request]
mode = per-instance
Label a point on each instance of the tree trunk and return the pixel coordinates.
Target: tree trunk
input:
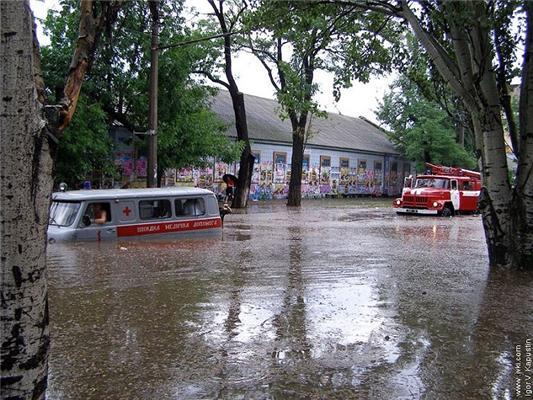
(522, 203)
(246, 168)
(247, 159)
(27, 143)
(26, 185)
(237, 98)
(295, 184)
(495, 206)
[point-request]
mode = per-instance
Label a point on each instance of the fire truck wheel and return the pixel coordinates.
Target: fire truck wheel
(446, 211)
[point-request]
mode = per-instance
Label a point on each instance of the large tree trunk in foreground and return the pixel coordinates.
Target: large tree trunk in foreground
(522, 203)
(26, 163)
(26, 185)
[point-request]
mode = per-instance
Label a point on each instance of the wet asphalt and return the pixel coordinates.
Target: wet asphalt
(340, 299)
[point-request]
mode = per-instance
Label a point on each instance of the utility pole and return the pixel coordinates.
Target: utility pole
(152, 123)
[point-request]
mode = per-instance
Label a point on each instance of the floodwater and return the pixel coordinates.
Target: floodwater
(336, 300)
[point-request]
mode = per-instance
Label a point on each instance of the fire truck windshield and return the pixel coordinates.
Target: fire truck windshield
(438, 183)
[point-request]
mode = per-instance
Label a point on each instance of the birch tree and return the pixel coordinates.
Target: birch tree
(28, 139)
(507, 212)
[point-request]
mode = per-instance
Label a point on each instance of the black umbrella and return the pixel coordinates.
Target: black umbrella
(227, 178)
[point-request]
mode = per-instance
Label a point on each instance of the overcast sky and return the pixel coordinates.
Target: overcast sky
(359, 100)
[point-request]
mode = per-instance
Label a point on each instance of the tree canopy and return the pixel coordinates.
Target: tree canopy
(117, 90)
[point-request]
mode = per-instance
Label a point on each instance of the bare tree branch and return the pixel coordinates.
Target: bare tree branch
(212, 78)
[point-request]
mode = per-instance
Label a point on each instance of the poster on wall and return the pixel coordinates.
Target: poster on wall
(279, 173)
(205, 177)
(170, 177)
(124, 160)
(141, 165)
(314, 176)
(325, 173)
(184, 175)
(344, 178)
(221, 169)
(256, 174)
(266, 173)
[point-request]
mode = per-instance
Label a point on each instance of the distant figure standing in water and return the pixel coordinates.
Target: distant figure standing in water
(230, 189)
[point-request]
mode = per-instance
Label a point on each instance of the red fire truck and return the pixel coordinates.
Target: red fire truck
(445, 191)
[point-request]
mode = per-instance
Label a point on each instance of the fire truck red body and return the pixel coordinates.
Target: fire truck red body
(446, 191)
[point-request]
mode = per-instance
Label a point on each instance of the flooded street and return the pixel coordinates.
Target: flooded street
(341, 299)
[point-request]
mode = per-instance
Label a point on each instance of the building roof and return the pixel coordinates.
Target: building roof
(334, 132)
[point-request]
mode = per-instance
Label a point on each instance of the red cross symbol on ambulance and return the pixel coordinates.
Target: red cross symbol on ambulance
(126, 211)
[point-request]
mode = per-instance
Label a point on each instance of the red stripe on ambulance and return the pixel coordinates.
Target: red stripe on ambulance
(167, 227)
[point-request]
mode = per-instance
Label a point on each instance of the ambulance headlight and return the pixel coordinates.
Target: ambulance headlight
(398, 202)
(435, 204)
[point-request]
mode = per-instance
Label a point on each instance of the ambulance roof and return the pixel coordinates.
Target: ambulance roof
(110, 194)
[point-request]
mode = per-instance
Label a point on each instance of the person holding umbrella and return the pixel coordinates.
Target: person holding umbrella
(230, 181)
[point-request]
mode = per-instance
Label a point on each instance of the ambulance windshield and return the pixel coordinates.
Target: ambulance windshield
(63, 213)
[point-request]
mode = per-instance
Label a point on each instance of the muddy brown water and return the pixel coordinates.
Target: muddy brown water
(336, 300)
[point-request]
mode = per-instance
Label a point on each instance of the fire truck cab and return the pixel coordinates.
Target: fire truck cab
(444, 191)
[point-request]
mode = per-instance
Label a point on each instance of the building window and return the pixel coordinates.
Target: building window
(361, 166)
(344, 162)
(325, 161)
(394, 167)
(154, 209)
(406, 169)
(257, 156)
(280, 158)
(305, 163)
(378, 166)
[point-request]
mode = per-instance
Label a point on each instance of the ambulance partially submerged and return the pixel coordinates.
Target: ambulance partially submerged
(95, 215)
(445, 191)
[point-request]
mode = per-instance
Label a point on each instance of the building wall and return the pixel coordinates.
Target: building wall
(326, 172)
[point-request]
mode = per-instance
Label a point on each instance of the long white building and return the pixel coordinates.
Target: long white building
(343, 155)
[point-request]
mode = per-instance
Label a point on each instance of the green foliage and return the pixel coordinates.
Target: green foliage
(119, 82)
(196, 129)
(84, 149)
(297, 38)
(420, 128)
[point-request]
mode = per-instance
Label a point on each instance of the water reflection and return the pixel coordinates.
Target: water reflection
(311, 303)
(290, 323)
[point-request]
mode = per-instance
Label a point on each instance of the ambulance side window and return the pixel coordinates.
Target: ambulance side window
(189, 207)
(154, 209)
(97, 213)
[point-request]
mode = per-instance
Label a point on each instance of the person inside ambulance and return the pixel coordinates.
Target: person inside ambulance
(100, 213)
(97, 213)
